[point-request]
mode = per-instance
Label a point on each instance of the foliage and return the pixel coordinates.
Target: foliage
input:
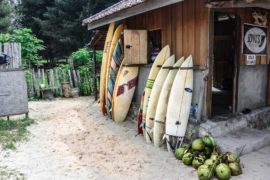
(80, 57)
(58, 23)
(13, 131)
(31, 45)
(5, 16)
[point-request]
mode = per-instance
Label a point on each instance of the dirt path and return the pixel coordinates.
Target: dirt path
(72, 140)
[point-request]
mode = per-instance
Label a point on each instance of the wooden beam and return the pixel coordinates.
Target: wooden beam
(126, 13)
(239, 4)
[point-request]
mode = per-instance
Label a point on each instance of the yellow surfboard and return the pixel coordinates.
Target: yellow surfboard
(124, 91)
(162, 56)
(116, 36)
(103, 68)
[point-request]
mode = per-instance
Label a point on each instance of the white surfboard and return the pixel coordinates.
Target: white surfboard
(180, 100)
(153, 100)
(159, 61)
(160, 116)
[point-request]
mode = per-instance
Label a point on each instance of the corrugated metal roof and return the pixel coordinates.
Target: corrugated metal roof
(124, 4)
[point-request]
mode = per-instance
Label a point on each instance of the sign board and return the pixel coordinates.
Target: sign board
(255, 40)
(13, 93)
(251, 60)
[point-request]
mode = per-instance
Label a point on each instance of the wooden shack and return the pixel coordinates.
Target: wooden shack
(227, 79)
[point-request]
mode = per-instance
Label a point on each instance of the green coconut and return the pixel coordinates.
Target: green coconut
(179, 153)
(231, 157)
(204, 172)
(198, 161)
(187, 159)
(210, 163)
(223, 172)
(214, 157)
(198, 145)
(235, 169)
(209, 141)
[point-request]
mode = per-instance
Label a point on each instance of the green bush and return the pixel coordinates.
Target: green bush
(80, 57)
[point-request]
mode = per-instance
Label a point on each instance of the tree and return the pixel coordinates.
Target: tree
(58, 23)
(5, 15)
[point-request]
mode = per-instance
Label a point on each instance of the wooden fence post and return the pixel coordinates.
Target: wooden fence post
(70, 79)
(43, 76)
(58, 81)
(51, 79)
(75, 79)
(95, 74)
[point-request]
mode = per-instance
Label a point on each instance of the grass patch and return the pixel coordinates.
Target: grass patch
(13, 131)
(6, 173)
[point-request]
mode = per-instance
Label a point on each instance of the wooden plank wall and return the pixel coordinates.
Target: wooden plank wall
(14, 51)
(184, 27)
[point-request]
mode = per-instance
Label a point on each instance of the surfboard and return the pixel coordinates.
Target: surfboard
(180, 100)
(160, 116)
(153, 100)
(103, 68)
(124, 91)
(140, 130)
(115, 40)
(160, 59)
(117, 58)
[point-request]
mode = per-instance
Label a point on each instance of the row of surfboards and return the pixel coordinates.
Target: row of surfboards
(167, 98)
(117, 80)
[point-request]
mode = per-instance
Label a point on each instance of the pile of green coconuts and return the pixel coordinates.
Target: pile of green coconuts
(203, 155)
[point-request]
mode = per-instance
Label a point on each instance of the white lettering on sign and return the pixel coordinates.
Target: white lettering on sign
(256, 40)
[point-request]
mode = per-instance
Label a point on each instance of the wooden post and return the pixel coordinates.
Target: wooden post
(75, 79)
(70, 79)
(79, 77)
(95, 74)
(51, 79)
(34, 82)
(58, 81)
(43, 76)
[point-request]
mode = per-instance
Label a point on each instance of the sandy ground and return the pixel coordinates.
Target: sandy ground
(72, 140)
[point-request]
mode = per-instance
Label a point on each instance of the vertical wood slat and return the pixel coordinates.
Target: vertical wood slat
(32, 84)
(58, 81)
(39, 77)
(189, 28)
(35, 84)
(70, 79)
(166, 26)
(51, 79)
(43, 76)
(14, 51)
(79, 77)
(75, 78)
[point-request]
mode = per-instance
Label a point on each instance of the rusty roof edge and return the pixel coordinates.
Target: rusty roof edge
(148, 5)
(124, 4)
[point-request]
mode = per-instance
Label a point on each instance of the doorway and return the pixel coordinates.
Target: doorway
(224, 64)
